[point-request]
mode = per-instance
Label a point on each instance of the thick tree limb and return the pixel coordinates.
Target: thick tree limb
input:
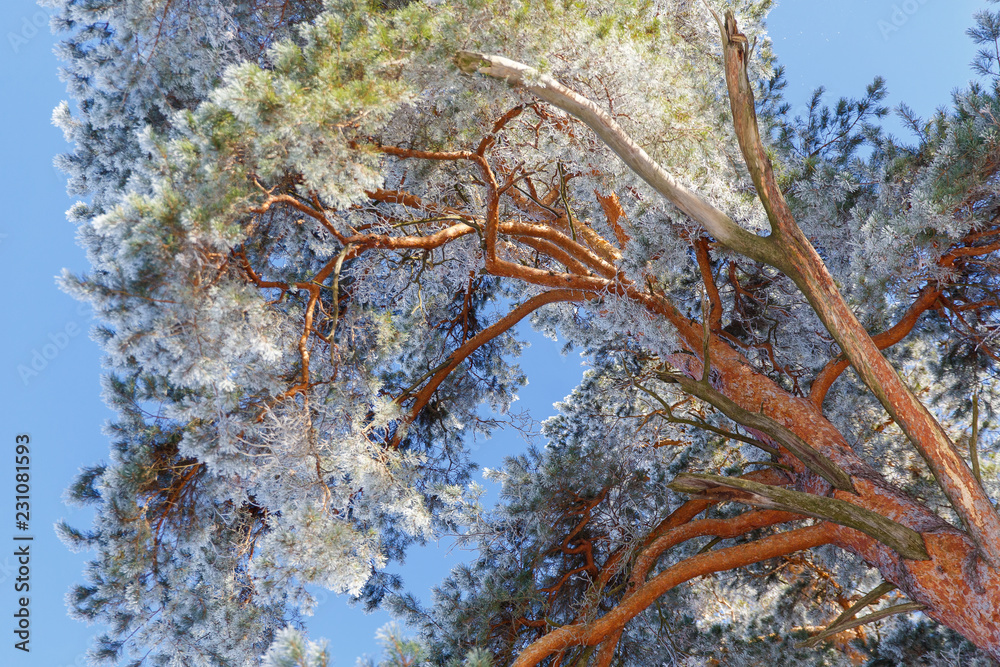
(545, 87)
(720, 528)
(597, 631)
(811, 458)
(897, 332)
(800, 261)
(905, 541)
(928, 298)
(788, 250)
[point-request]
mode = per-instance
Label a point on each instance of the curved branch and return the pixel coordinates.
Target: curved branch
(724, 528)
(902, 539)
(679, 517)
(816, 461)
(552, 251)
(483, 337)
(576, 249)
(545, 87)
(800, 262)
(826, 377)
(836, 629)
(728, 558)
(493, 205)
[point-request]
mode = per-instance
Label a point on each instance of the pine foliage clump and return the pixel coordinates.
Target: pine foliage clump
(312, 228)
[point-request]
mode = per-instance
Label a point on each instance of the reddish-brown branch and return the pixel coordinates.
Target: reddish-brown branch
(826, 377)
(927, 299)
(363, 242)
(410, 201)
(487, 142)
(728, 558)
(708, 278)
(956, 254)
(577, 250)
(614, 212)
(531, 204)
(973, 305)
(485, 336)
(606, 653)
(584, 546)
(552, 251)
(726, 528)
(556, 587)
(493, 196)
(546, 278)
(316, 214)
(304, 338)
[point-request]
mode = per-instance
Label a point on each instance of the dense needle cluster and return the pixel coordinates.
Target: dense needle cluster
(312, 228)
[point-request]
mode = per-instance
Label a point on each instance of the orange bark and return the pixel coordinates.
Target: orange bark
(826, 377)
(485, 336)
(800, 261)
(957, 585)
(713, 561)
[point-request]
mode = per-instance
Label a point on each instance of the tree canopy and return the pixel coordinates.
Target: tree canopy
(312, 228)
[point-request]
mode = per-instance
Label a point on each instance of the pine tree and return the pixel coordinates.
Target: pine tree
(312, 229)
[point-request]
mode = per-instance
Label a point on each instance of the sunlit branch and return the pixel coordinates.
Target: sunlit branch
(288, 200)
(722, 528)
(483, 337)
(555, 93)
(493, 204)
(577, 250)
(411, 201)
(800, 261)
(826, 377)
(925, 301)
(552, 251)
(714, 561)
(902, 539)
(707, 277)
(799, 448)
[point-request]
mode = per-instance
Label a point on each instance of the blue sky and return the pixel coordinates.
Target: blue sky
(49, 369)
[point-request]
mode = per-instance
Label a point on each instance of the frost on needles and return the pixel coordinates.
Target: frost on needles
(312, 228)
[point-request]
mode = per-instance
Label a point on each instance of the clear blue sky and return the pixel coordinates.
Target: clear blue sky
(924, 55)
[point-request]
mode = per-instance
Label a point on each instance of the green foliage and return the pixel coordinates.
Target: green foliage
(986, 32)
(291, 649)
(272, 313)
